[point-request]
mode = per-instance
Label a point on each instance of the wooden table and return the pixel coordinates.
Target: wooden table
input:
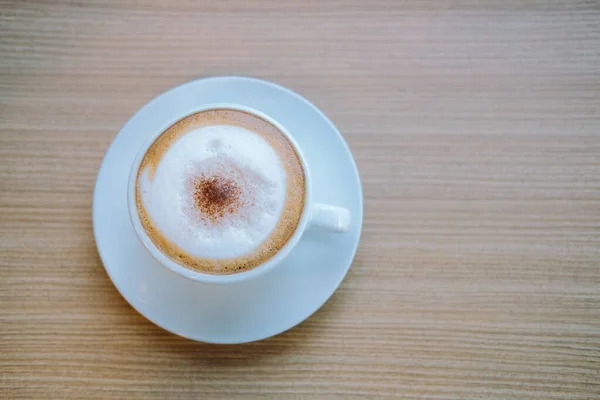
(476, 129)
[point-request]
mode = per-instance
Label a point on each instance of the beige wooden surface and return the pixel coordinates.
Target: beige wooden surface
(476, 129)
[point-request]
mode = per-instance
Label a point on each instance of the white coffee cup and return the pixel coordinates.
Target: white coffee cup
(318, 215)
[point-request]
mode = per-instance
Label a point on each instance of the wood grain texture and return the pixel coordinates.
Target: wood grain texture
(476, 129)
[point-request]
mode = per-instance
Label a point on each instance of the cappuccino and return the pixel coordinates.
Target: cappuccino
(221, 191)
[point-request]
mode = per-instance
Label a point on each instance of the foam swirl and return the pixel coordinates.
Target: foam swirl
(217, 192)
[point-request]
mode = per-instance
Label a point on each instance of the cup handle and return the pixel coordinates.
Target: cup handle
(331, 218)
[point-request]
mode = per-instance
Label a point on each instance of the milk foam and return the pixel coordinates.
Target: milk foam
(227, 152)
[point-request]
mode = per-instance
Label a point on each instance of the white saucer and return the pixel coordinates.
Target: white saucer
(249, 310)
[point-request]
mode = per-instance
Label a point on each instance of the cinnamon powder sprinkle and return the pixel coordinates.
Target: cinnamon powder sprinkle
(216, 196)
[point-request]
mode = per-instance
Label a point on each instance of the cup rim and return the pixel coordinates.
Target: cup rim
(188, 273)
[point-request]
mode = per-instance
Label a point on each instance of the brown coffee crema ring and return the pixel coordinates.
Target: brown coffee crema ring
(216, 196)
